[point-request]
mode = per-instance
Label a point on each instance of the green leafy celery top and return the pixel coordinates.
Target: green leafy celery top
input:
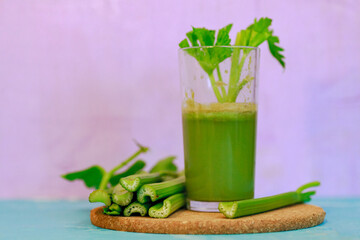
(200, 44)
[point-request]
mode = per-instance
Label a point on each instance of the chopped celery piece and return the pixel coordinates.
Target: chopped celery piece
(121, 196)
(133, 169)
(259, 205)
(118, 189)
(137, 207)
(109, 190)
(156, 191)
(115, 207)
(168, 175)
(134, 182)
(113, 210)
(100, 196)
(168, 206)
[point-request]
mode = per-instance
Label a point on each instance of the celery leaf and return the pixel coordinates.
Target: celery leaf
(91, 176)
(207, 56)
(275, 50)
(260, 33)
(223, 38)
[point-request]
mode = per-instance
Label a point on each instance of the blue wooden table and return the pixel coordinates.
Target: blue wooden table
(20, 219)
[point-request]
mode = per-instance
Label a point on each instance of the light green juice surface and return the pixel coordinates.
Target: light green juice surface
(219, 154)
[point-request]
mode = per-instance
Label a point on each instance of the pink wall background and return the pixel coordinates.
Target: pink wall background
(80, 79)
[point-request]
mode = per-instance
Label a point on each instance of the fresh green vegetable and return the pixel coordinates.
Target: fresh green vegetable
(254, 206)
(135, 208)
(116, 196)
(253, 36)
(109, 190)
(210, 53)
(91, 176)
(113, 210)
(168, 175)
(97, 177)
(156, 191)
(121, 196)
(100, 196)
(168, 206)
(134, 182)
(166, 164)
(115, 207)
(259, 32)
(208, 57)
(133, 169)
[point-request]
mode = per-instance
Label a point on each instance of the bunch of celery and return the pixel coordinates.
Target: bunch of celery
(210, 51)
(135, 192)
(143, 194)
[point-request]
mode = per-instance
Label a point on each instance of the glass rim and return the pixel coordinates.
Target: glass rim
(219, 46)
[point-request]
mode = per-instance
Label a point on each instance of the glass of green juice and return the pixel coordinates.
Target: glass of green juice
(219, 112)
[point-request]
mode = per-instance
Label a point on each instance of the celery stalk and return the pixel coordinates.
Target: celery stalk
(100, 196)
(223, 90)
(121, 196)
(156, 191)
(254, 206)
(135, 168)
(113, 210)
(215, 88)
(168, 206)
(133, 182)
(200, 43)
(137, 207)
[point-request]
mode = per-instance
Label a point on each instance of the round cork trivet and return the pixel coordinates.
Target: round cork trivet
(190, 222)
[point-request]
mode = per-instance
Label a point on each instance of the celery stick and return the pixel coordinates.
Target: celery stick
(156, 191)
(121, 196)
(168, 206)
(109, 190)
(168, 175)
(100, 196)
(113, 210)
(254, 206)
(133, 182)
(137, 207)
(133, 169)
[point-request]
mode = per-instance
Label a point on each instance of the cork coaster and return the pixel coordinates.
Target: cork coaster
(189, 222)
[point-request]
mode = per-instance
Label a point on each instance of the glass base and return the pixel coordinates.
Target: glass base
(200, 206)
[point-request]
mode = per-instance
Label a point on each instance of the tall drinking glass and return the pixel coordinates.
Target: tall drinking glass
(219, 112)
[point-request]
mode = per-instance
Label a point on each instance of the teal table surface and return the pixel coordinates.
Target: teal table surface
(27, 219)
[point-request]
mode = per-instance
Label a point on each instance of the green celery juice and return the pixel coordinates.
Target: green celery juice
(219, 151)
